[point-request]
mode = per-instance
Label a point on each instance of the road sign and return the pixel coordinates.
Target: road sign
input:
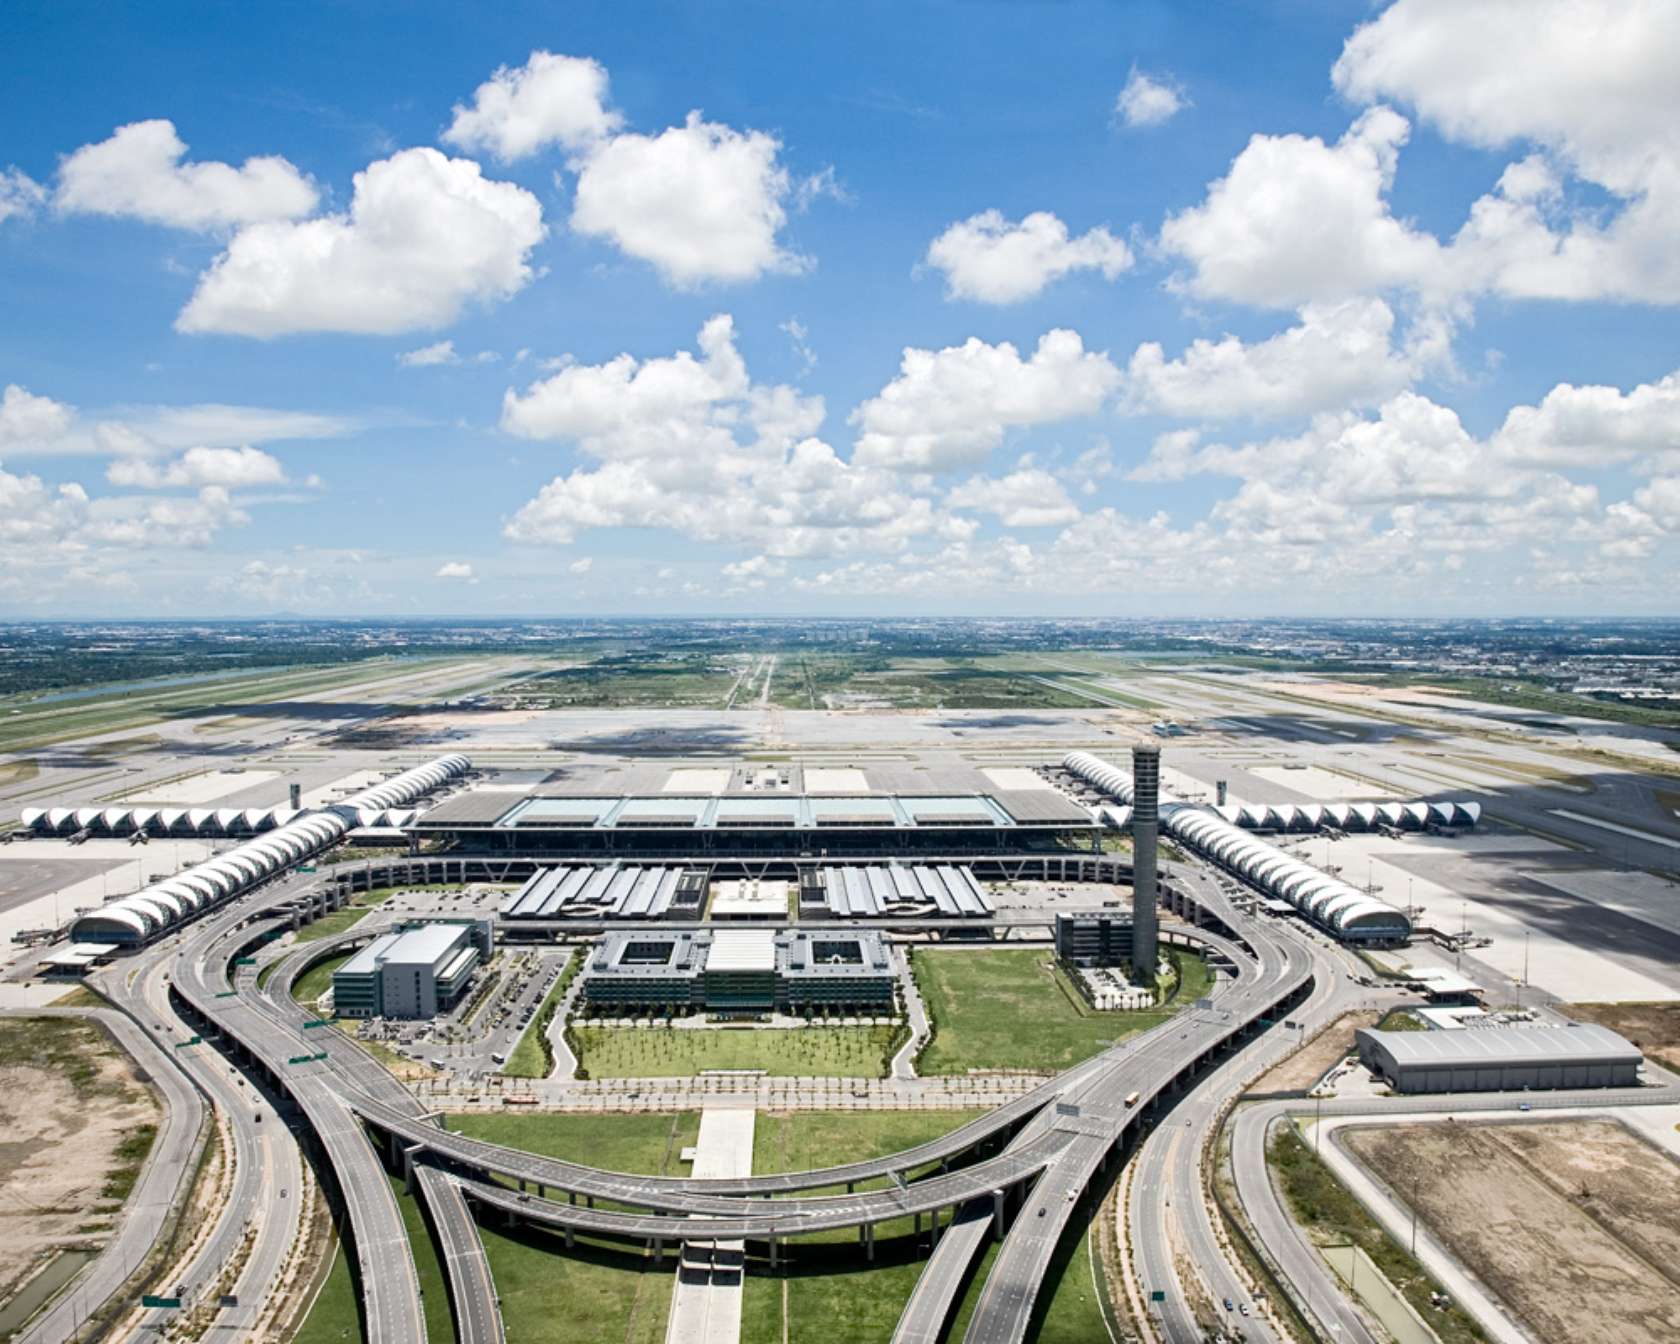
(228, 994)
(172, 1303)
(229, 1300)
(316, 1022)
(304, 1059)
(244, 961)
(191, 1040)
(1158, 1295)
(1067, 1108)
(1202, 1005)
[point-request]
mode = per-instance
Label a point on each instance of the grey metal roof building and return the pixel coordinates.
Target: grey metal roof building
(415, 973)
(1500, 1059)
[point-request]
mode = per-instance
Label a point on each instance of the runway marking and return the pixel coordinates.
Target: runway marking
(1612, 826)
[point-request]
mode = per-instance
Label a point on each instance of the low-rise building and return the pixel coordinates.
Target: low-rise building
(416, 972)
(1102, 938)
(1500, 1059)
(740, 970)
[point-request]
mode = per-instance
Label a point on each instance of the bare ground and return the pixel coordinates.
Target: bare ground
(1575, 1226)
(1313, 1060)
(60, 1131)
(1653, 1027)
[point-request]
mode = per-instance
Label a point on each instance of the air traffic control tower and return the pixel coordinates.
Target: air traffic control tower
(1146, 794)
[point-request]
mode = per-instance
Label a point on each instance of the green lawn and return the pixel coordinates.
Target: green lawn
(1068, 1310)
(334, 1318)
(340, 920)
(597, 1293)
(1011, 1009)
(650, 1144)
(317, 980)
(673, 1052)
(804, 1140)
(532, 1057)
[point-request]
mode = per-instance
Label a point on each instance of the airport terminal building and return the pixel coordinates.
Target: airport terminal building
(651, 810)
(747, 970)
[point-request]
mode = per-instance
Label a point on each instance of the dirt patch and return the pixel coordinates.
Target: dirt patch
(1313, 1060)
(75, 1126)
(1574, 1226)
(1653, 1027)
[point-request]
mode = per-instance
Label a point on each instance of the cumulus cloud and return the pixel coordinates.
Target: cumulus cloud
(550, 100)
(949, 408)
(28, 419)
(1146, 101)
(454, 569)
(1297, 221)
(424, 236)
(20, 194)
(1592, 426)
(1026, 497)
(582, 566)
(139, 173)
(234, 468)
(1340, 354)
(702, 202)
(692, 445)
(1594, 88)
(429, 356)
(990, 260)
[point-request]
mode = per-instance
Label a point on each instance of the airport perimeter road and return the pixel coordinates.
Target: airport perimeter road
(164, 1180)
(264, 1161)
(1279, 970)
(1286, 1244)
(472, 1291)
(1168, 1207)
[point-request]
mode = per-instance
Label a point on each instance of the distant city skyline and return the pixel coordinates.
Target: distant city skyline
(1082, 311)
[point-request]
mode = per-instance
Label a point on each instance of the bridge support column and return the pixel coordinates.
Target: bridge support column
(869, 1241)
(568, 1238)
(773, 1254)
(998, 1210)
(408, 1165)
(916, 1232)
(659, 1250)
(573, 1196)
(589, 1201)
(934, 1224)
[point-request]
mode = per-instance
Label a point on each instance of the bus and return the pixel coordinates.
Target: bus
(1131, 1100)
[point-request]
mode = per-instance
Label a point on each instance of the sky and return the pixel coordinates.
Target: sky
(1275, 307)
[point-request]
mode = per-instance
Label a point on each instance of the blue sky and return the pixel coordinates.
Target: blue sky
(1093, 309)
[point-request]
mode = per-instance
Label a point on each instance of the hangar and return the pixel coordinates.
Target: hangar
(1500, 1059)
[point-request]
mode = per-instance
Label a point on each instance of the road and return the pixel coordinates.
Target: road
(164, 1181)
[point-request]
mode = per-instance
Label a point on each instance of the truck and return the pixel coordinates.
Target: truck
(1131, 1100)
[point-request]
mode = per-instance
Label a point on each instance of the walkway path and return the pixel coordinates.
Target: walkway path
(706, 1301)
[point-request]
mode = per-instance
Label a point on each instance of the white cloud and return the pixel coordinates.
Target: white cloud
(951, 407)
(692, 445)
(1594, 89)
(424, 236)
(28, 419)
(138, 173)
(1592, 426)
(582, 566)
(1148, 102)
(20, 194)
(428, 356)
(548, 100)
(1341, 354)
(454, 569)
(234, 468)
(1297, 221)
(702, 202)
(758, 568)
(799, 337)
(163, 522)
(990, 260)
(1027, 497)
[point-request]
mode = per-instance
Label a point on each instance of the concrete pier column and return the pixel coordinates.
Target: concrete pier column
(998, 1211)
(869, 1241)
(569, 1238)
(773, 1255)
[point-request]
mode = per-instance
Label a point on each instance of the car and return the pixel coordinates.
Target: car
(1524, 1106)
(1041, 1213)
(1229, 1305)
(1243, 1308)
